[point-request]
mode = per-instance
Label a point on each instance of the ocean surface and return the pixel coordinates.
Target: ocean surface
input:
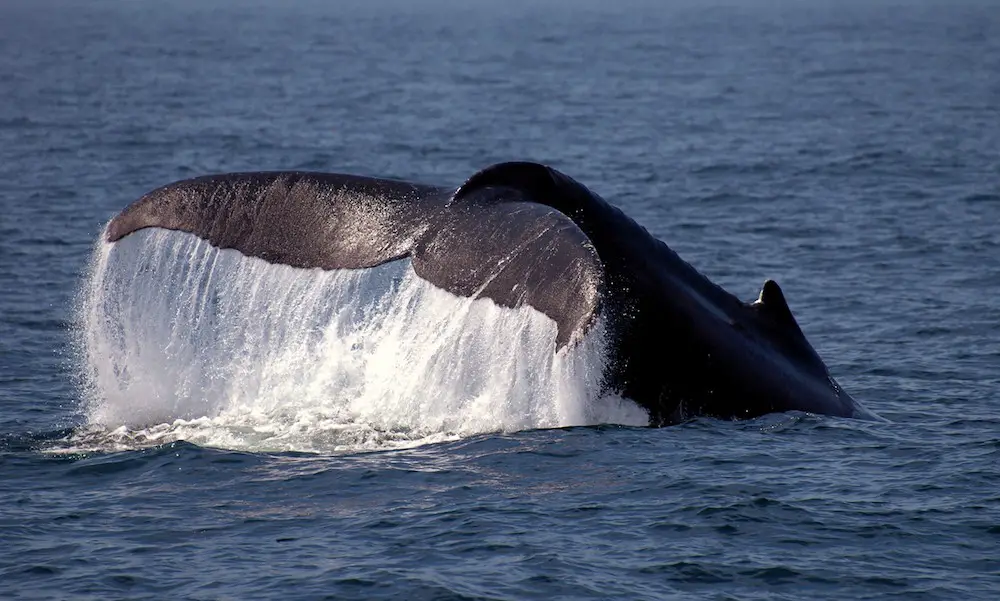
(848, 150)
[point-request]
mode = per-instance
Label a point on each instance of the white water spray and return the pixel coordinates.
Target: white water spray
(181, 340)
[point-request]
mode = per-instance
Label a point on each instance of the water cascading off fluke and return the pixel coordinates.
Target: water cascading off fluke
(182, 340)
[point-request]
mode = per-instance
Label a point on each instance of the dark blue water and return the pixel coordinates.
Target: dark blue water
(851, 151)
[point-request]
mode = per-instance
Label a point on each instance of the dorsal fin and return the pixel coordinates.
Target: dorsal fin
(771, 305)
(771, 301)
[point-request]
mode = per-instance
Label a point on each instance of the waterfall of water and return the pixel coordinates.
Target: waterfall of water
(182, 340)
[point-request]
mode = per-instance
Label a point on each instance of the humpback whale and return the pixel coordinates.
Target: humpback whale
(524, 234)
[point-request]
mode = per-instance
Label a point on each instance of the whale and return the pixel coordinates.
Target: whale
(525, 234)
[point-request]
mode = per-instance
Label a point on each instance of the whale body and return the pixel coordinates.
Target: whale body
(524, 234)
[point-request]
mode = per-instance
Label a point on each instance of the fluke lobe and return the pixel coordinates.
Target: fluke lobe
(526, 234)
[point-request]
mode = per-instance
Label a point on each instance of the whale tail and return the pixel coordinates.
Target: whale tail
(499, 242)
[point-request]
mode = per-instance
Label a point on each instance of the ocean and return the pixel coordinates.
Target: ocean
(848, 150)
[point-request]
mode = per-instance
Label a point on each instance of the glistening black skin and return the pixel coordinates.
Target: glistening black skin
(523, 233)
